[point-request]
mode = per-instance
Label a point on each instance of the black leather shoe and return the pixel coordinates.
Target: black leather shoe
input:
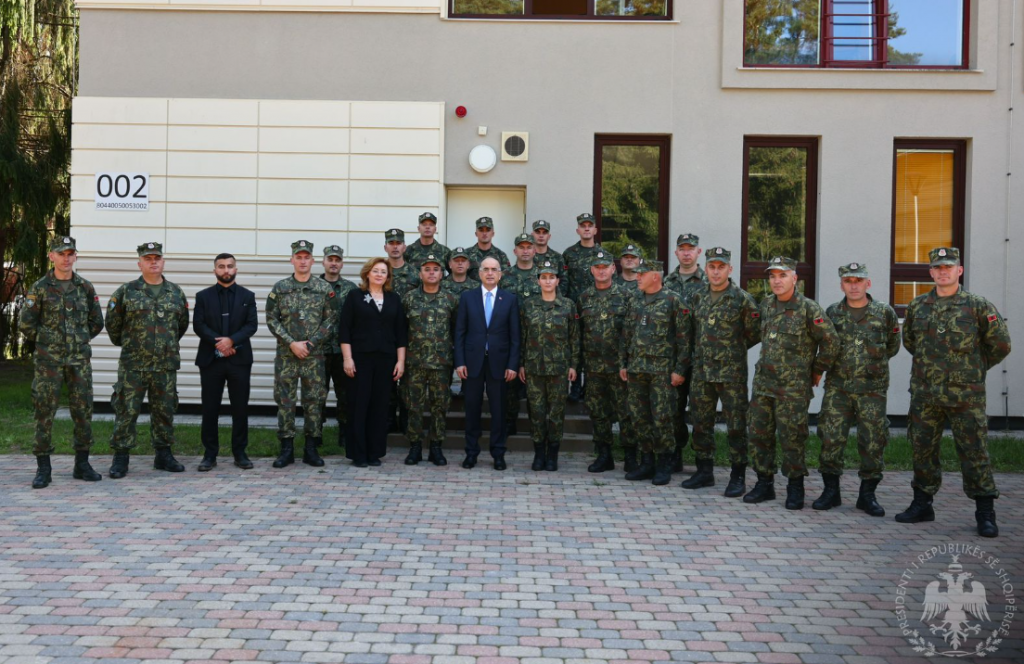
(360, 464)
(83, 469)
(242, 460)
(119, 466)
(164, 460)
(469, 462)
(207, 464)
(374, 462)
(42, 478)
(499, 463)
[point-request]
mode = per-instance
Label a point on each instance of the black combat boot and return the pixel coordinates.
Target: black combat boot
(119, 466)
(830, 496)
(795, 493)
(604, 461)
(415, 454)
(83, 470)
(287, 455)
(42, 478)
(737, 481)
(242, 459)
(920, 509)
(644, 470)
(310, 455)
(539, 456)
(985, 515)
(629, 459)
(436, 456)
(551, 460)
(663, 469)
(762, 491)
(705, 475)
(164, 460)
(866, 498)
(677, 457)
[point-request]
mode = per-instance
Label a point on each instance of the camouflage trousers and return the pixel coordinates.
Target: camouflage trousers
(970, 433)
(788, 416)
(334, 372)
(682, 434)
(606, 398)
(129, 391)
(289, 371)
(704, 398)
(652, 408)
(46, 398)
(839, 410)
(545, 402)
(426, 389)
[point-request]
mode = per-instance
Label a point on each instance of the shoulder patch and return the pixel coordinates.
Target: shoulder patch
(686, 311)
(577, 316)
(272, 295)
(96, 298)
(755, 314)
(331, 294)
(993, 318)
(895, 329)
(819, 321)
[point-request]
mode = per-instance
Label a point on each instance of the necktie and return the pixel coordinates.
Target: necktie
(225, 312)
(488, 308)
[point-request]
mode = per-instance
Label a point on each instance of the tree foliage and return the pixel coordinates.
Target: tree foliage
(629, 198)
(777, 203)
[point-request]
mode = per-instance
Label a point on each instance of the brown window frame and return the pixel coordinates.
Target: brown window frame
(528, 15)
(664, 141)
(920, 271)
(805, 270)
(826, 42)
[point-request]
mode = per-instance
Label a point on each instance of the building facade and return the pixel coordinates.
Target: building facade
(865, 131)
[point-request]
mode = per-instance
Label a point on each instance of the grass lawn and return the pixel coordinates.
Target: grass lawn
(17, 427)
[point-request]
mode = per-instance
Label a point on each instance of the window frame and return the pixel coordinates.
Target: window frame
(920, 271)
(806, 270)
(826, 43)
(527, 14)
(663, 141)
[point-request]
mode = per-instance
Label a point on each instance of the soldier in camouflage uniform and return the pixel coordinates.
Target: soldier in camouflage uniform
(629, 258)
(550, 355)
(655, 358)
(798, 343)
(484, 248)
(578, 258)
(404, 278)
(726, 323)
(430, 357)
(544, 252)
(334, 369)
(856, 387)
(520, 279)
(300, 313)
(955, 337)
(147, 318)
(459, 281)
(602, 309)
(426, 244)
(62, 314)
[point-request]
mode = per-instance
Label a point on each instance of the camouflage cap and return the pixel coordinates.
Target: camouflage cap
(602, 258)
(781, 263)
(631, 250)
(540, 223)
(428, 216)
(302, 245)
(431, 258)
(150, 248)
(334, 250)
(647, 265)
(63, 243)
(485, 222)
(585, 218)
(853, 270)
(394, 235)
(720, 254)
(943, 256)
(524, 237)
(688, 238)
(459, 252)
(547, 267)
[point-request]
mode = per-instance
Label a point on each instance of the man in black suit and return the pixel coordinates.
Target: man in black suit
(486, 357)
(224, 321)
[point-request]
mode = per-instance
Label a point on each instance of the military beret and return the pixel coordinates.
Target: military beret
(459, 252)
(428, 216)
(150, 248)
(944, 256)
(485, 222)
(688, 238)
(585, 218)
(718, 254)
(781, 263)
(547, 267)
(853, 270)
(431, 258)
(524, 237)
(647, 265)
(631, 250)
(540, 223)
(334, 250)
(63, 243)
(602, 258)
(394, 235)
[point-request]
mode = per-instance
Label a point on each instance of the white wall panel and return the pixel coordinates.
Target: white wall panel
(304, 166)
(389, 115)
(90, 162)
(279, 243)
(119, 137)
(211, 215)
(215, 241)
(213, 164)
(370, 192)
(119, 110)
(396, 141)
(211, 190)
(220, 112)
(304, 113)
(312, 217)
(395, 167)
(373, 217)
(369, 244)
(304, 192)
(86, 214)
(317, 140)
(212, 139)
(108, 240)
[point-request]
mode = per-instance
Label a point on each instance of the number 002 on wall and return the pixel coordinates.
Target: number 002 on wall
(122, 191)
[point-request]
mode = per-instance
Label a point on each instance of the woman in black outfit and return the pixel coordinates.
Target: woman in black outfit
(373, 337)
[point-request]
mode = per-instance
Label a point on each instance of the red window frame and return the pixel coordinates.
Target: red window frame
(589, 16)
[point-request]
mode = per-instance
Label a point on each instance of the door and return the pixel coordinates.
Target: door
(506, 206)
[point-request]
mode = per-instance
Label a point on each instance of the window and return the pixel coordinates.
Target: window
(631, 193)
(562, 9)
(780, 199)
(856, 33)
(927, 212)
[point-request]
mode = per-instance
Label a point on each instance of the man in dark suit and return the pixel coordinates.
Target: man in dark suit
(486, 357)
(224, 321)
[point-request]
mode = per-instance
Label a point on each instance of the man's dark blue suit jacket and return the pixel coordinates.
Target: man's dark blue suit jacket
(473, 335)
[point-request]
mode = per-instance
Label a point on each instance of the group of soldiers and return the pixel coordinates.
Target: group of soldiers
(642, 344)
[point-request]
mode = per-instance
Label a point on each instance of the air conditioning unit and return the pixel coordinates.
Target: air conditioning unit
(515, 145)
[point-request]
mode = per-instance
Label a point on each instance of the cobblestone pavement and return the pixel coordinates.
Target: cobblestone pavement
(410, 565)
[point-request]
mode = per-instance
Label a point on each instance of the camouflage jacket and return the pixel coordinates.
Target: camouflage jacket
(862, 365)
(684, 285)
(657, 334)
(431, 318)
(458, 288)
(559, 260)
(602, 319)
(342, 287)
(61, 322)
(722, 333)
(404, 279)
(521, 282)
(796, 344)
(577, 266)
(148, 329)
(301, 311)
(631, 286)
(550, 336)
(954, 341)
(477, 255)
(416, 251)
